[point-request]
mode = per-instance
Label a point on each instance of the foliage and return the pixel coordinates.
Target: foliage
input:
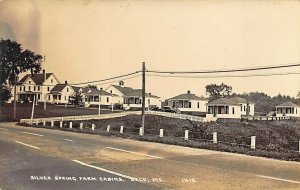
(92, 86)
(265, 103)
(4, 94)
(13, 61)
(76, 98)
(217, 91)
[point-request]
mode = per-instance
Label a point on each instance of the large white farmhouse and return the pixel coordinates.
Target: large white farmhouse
(38, 85)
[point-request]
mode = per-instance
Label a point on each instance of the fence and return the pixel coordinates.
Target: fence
(79, 118)
(114, 115)
(251, 141)
(266, 118)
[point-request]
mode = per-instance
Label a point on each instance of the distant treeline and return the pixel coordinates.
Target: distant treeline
(265, 103)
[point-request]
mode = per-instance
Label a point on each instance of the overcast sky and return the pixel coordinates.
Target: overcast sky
(86, 40)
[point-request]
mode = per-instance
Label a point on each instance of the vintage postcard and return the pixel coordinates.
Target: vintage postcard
(149, 94)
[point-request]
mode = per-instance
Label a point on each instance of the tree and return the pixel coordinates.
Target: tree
(76, 98)
(4, 94)
(13, 61)
(92, 86)
(217, 91)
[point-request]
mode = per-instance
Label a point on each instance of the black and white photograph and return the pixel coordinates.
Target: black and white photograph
(149, 94)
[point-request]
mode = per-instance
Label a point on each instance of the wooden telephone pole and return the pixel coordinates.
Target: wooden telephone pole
(143, 97)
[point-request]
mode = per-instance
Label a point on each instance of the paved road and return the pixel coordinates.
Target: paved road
(32, 158)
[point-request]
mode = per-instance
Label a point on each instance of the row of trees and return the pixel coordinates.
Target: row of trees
(263, 102)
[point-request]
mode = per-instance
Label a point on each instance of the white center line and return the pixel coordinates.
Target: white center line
(68, 140)
(278, 179)
(27, 145)
(4, 129)
(105, 170)
(117, 149)
(32, 134)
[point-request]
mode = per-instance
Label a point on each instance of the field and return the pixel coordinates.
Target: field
(275, 139)
(24, 111)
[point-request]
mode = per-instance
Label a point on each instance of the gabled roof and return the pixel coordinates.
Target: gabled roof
(239, 100)
(124, 90)
(130, 92)
(222, 101)
(58, 87)
(76, 88)
(287, 104)
(96, 92)
(37, 78)
(187, 96)
(139, 93)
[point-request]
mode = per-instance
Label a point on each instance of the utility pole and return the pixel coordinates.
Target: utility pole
(143, 97)
(248, 108)
(15, 100)
(99, 105)
(32, 110)
(42, 87)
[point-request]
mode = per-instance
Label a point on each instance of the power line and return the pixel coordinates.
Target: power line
(227, 70)
(224, 76)
(111, 78)
(119, 79)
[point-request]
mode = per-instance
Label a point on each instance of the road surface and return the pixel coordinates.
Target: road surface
(32, 158)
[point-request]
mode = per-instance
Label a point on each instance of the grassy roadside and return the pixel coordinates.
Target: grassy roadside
(275, 139)
(24, 111)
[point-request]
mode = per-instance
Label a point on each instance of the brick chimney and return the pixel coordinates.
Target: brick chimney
(188, 91)
(66, 82)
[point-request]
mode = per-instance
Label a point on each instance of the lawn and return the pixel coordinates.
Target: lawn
(24, 111)
(275, 139)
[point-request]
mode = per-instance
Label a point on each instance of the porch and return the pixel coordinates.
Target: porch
(180, 103)
(29, 96)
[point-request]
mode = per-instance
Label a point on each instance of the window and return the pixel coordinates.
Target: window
(20, 88)
(67, 89)
(65, 97)
(190, 104)
(29, 88)
(39, 88)
(49, 97)
(39, 96)
(232, 110)
(59, 97)
(29, 82)
(241, 107)
(24, 88)
(198, 105)
(34, 88)
(296, 110)
(244, 108)
(51, 80)
(48, 88)
(226, 110)
(111, 91)
(107, 99)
